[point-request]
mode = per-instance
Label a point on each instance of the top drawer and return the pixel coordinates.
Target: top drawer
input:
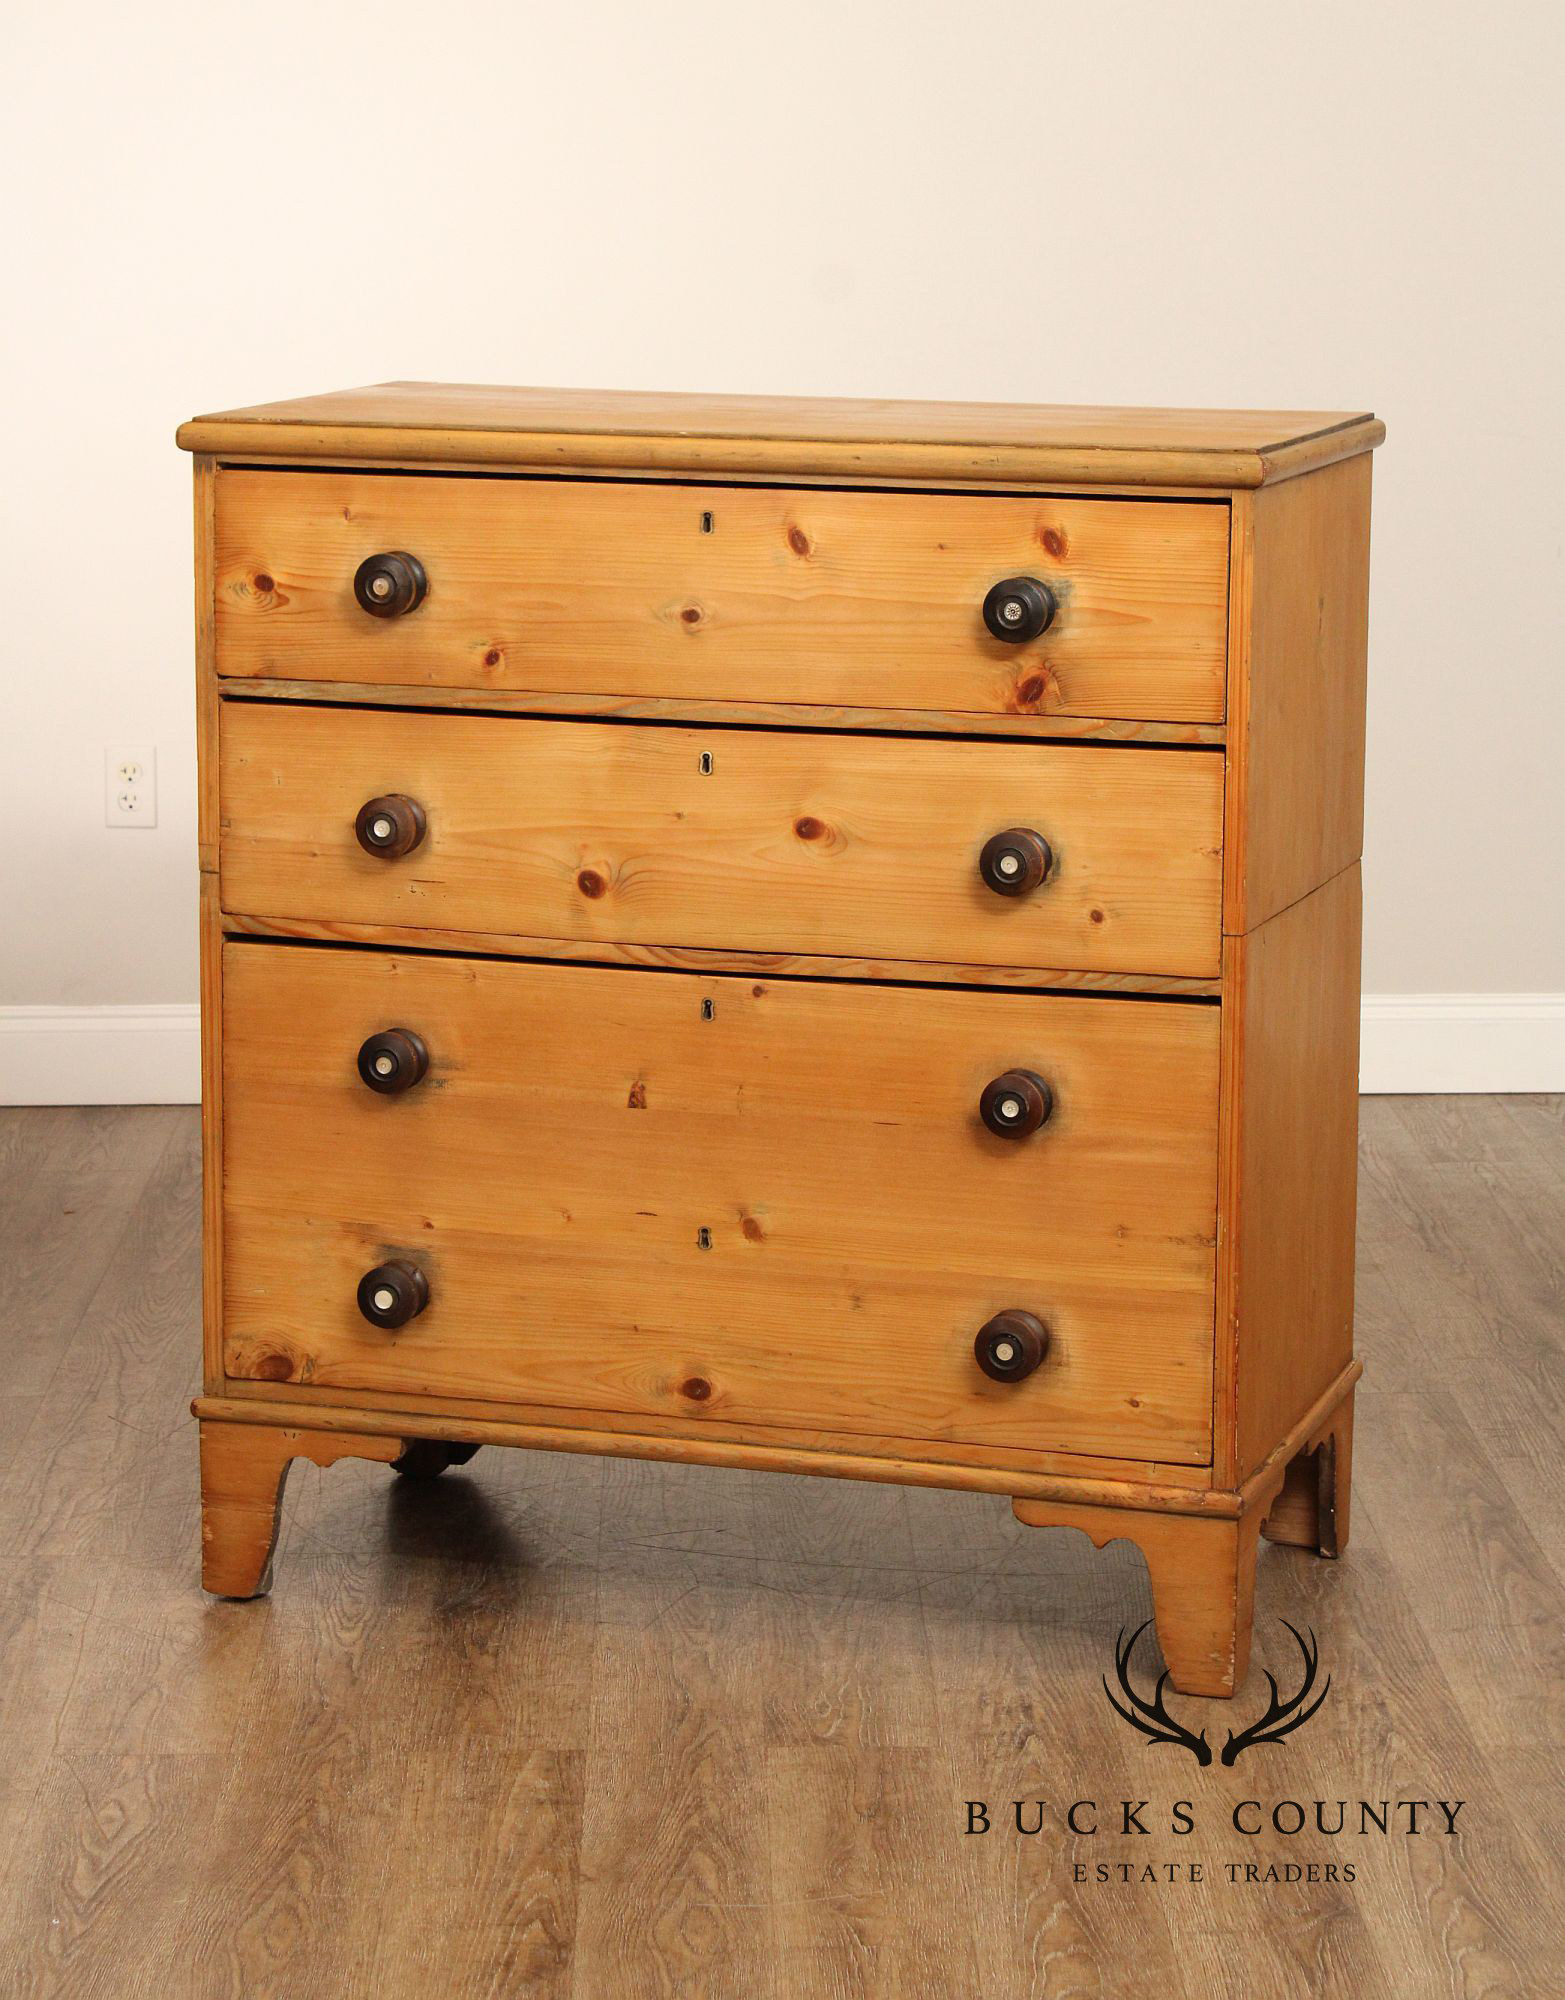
(747, 594)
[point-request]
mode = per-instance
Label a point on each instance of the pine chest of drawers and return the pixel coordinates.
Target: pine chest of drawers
(813, 936)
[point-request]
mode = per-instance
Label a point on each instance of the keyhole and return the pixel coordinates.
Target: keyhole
(708, 1009)
(706, 524)
(703, 1239)
(706, 763)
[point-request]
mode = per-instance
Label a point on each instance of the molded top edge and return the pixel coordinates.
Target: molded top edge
(427, 422)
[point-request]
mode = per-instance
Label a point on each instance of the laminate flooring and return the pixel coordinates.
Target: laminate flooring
(558, 1726)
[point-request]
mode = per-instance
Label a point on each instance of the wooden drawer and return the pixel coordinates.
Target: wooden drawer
(723, 1199)
(752, 840)
(759, 594)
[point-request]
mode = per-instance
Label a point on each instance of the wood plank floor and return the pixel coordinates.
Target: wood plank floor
(562, 1727)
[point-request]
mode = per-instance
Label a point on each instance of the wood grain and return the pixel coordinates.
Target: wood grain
(1079, 1477)
(1312, 1509)
(754, 1448)
(1300, 628)
(1054, 727)
(846, 599)
(581, 1127)
(210, 948)
(725, 839)
(695, 958)
(1202, 1566)
(209, 925)
(925, 1461)
(457, 422)
(1287, 1175)
(243, 1470)
(204, 484)
(1202, 1573)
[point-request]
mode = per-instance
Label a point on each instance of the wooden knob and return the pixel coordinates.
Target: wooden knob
(1015, 862)
(389, 585)
(1015, 1104)
(393, 1293)
(393, 1061)
(1011, 1345)
(1019, 609)
(390, 826)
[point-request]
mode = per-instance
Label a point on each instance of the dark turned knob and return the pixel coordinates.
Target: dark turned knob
(1011, 1345)
(1019, 609)
(390, 826)
(1014, 1104)
(389, 585)
(392, 1294)
(1015, 862)
(393, 1061)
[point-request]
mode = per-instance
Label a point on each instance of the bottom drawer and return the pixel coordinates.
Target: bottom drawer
(766, 1202)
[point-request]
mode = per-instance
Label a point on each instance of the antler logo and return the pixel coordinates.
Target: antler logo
(1158, 1726)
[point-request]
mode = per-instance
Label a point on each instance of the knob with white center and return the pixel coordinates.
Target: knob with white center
(1015, 862)
(1011, 1345)
(390, 585)
(393, 1293)
(390, 826)
(1015, 1103)
(1019, 609)
(393, 1061)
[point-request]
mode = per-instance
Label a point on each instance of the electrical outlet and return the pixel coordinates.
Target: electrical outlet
(130, 787)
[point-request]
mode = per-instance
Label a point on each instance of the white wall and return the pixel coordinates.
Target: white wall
(1334, 206)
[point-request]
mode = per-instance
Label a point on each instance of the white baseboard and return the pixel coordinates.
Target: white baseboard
(1437, 1042)
(101, 1055)
(1412, 1042)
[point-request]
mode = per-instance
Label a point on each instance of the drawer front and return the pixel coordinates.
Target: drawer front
(649, 1193)
(751, 840)
(774, 595)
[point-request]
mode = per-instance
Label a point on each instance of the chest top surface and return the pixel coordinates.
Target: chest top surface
(655, 431)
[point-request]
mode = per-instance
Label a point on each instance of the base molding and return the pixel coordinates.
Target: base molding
(1199, 1546)
(147, 1054)
(693, 1447)
(1417, 1043)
